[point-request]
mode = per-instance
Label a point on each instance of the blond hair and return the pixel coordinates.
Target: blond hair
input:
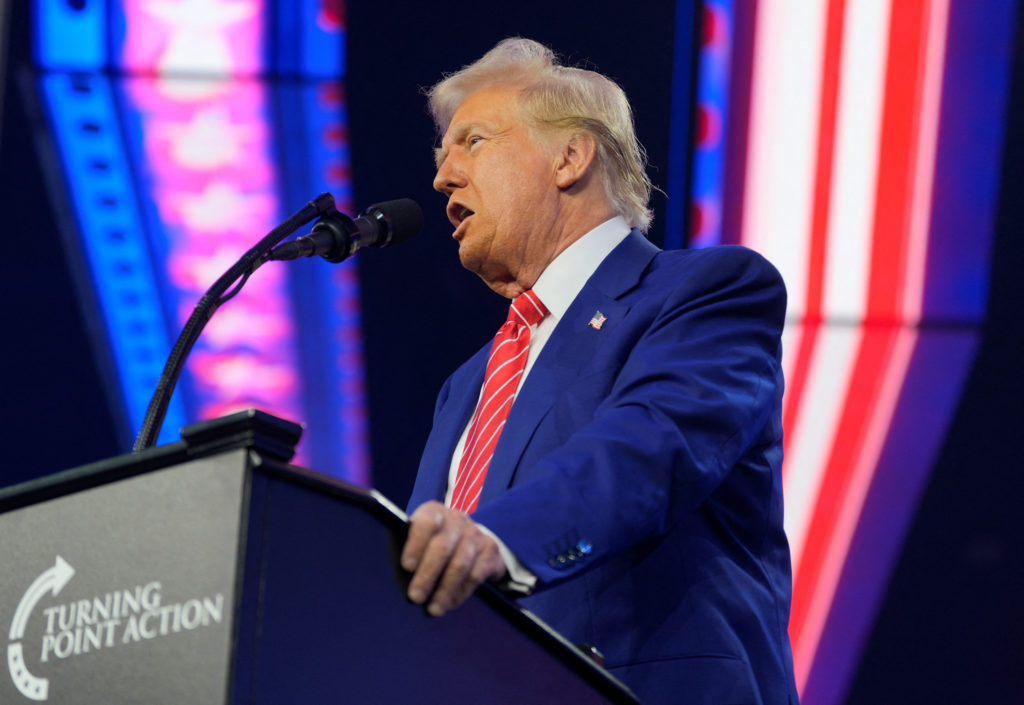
(563, 98)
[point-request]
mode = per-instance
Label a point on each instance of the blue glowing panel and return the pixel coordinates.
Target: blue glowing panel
(711, 124)
(85, 127)
(70, 35)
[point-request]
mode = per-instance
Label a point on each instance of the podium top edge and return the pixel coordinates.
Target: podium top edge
(92, 474)
(270, 436)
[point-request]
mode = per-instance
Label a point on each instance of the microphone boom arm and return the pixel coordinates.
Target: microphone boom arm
(216, 295)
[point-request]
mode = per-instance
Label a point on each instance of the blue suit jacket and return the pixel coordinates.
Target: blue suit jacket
(638, 474)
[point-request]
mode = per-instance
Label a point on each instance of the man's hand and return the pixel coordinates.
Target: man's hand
(449, 557)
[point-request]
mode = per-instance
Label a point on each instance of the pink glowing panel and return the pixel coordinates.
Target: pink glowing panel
(200, 37)
(207, 163)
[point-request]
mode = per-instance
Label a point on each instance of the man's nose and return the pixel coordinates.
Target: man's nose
(449, 177)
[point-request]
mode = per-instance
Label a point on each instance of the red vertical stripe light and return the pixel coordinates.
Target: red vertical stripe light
(856, 265)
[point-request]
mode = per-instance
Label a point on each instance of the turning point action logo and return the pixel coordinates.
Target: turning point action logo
(116, 618)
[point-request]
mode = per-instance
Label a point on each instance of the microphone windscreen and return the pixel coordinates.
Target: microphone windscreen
(404, 217)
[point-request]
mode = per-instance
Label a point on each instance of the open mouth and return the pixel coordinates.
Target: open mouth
(458, 214)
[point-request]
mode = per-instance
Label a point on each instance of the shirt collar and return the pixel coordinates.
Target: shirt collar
(563, 279)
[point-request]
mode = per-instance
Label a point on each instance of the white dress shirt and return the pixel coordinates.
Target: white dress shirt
(557, 287)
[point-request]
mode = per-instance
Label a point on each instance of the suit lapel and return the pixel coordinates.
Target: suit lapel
(560, 362)
(463, 392)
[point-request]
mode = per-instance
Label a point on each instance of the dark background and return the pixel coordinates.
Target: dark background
(951, 629)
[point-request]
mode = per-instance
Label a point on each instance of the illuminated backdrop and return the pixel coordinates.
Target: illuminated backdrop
(855, 142)
(187, 131)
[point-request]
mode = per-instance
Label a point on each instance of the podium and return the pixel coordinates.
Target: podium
(212, 571)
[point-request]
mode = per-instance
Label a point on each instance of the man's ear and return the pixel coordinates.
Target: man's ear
(576, 160)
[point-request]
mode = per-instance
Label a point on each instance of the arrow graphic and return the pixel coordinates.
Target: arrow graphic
(50, 580)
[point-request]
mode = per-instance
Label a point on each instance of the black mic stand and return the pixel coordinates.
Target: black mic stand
(215, 296)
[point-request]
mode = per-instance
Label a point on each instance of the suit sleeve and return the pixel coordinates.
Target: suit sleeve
(695, 393)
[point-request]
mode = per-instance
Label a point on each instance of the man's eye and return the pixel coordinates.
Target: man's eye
(474, 139)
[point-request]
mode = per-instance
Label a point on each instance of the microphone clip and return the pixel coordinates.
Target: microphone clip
(335, 237)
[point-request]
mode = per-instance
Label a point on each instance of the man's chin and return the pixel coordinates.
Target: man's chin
(468, 258)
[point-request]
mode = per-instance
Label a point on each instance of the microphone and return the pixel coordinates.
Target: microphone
(337, 237)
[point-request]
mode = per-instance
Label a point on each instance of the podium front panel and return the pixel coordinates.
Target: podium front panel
(124, 593)
(335, 625)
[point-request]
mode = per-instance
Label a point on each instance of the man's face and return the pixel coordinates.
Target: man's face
(502, 198)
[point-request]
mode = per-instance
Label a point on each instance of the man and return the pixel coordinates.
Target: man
(633, 487)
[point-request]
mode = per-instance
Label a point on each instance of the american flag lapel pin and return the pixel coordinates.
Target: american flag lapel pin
(597, 321)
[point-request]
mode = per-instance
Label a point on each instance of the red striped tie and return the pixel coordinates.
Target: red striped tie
(504, 369)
